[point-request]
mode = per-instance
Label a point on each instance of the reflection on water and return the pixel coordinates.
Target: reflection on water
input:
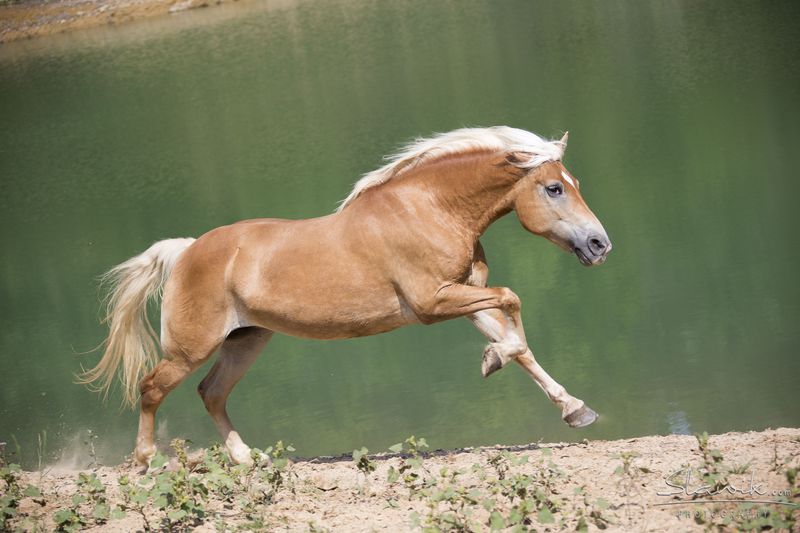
(678, 423)
(682, 134)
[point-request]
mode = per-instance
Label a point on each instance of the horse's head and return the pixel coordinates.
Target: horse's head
(548, 202)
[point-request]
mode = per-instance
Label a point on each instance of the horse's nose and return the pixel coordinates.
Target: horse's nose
(598, 244)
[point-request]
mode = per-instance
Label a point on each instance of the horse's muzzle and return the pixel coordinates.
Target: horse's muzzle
(594, 250)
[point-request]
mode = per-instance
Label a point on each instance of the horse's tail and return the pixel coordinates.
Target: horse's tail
(131, 341)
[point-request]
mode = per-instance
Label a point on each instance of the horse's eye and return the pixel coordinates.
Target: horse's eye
(555, 190)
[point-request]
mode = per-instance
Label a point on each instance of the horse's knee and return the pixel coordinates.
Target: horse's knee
(509, 300)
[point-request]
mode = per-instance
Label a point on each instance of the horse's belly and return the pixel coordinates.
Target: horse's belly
(309, 317)
(329, 330)
(333, 307)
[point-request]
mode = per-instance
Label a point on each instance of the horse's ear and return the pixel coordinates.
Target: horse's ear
(563, 141)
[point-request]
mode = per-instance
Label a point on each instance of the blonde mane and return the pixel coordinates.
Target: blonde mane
(460, 141)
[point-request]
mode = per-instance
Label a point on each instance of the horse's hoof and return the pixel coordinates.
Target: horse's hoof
(492, 362)
(581, 417)
(144, 454)
(241, 455)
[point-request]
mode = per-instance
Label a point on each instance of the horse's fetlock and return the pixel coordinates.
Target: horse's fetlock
(516, 349)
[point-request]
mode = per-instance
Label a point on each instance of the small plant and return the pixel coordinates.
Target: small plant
(520, 496)
(136, 497)
(219, 477)
(746, 516)
(364, 464)
(69, 519)
(11, 494)
(92, 494)
(629, 482)
(179, 494)
(95, 494)
(451, 505)
(275, 470)
(41, 449)
(591, 511)
(794, 482)
(713, 471)
(411, 446)
(314, 528)
(9, 501)
(91, 438)
(411, 469)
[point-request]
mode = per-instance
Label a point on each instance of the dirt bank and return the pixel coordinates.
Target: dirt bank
(634, 484)
(26, 19)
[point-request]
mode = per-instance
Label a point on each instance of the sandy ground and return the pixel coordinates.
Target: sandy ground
(612, 485)
(25, 19)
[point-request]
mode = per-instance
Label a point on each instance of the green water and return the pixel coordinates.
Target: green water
(684, 133)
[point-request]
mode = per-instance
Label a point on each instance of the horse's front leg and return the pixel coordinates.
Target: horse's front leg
(508, 342)
(507, 336)
(496, 312)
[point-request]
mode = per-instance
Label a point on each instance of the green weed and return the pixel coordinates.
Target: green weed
(364, 464)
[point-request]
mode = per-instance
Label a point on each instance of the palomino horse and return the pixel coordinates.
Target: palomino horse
(401, 249)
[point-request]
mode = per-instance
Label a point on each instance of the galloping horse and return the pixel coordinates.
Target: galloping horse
(402, 248)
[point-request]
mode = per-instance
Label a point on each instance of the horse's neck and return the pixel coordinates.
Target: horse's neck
(472, 189)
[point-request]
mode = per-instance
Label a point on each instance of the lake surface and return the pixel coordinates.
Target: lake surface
(684, 132)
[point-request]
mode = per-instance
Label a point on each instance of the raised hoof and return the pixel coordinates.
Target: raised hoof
(581, 417)
(491, 363)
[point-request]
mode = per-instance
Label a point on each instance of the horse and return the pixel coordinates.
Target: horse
(403, 248)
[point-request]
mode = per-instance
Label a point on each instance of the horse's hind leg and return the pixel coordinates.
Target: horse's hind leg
(178, 363)
(238, 352)
(166, 375)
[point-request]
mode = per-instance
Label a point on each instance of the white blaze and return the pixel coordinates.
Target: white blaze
(568, 179)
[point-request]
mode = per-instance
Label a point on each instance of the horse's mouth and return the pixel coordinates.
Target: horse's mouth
(585, 261)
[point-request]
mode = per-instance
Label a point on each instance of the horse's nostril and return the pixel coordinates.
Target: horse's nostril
(597, 245)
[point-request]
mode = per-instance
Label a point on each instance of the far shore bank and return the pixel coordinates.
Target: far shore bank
(733, 481)
(28, 19)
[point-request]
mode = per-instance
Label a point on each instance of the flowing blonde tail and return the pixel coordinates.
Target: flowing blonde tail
(131, 341)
